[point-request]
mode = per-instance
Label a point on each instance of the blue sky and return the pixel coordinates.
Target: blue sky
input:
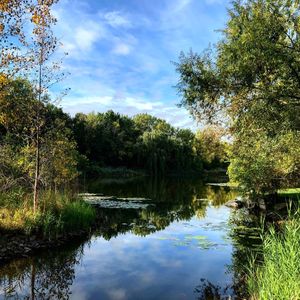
(120, 52)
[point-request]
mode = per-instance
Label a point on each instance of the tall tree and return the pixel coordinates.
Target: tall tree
(44, 44)
(252, 76)
(27, 45)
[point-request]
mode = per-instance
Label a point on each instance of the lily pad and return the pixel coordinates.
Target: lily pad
(195, 237)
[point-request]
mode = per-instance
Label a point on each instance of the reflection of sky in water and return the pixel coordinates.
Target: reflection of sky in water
(156, 266)
(166, 264)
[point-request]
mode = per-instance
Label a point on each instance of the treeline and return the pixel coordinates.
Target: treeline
(85, 144)
(147, 143)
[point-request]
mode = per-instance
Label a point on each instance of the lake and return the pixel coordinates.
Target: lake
(158, 239)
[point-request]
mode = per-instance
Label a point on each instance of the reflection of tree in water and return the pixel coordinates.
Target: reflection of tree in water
(208, 291)
(43, 277)
(172, 200)
(245, 232)
(220, 195)
(51, 277)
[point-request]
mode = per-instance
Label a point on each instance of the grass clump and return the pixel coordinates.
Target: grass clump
(289, 192)
(58, 213)
(278, 276)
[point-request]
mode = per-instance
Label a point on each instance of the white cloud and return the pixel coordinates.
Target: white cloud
(131, 106)
(119, 56)
(116, 19)
(85, 38)
(81, 39)
(140, 104)
(121, 49)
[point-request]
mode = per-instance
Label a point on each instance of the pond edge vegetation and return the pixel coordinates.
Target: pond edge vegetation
(276, 274)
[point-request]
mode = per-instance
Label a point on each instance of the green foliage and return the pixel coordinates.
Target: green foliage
(278, 275)
(252, 78)
(268, 164)
(211, 148)
(58, 164)
(143, 142)
(58, 214)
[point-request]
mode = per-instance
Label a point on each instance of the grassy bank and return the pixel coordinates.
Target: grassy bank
(58, 214)
(278, 276)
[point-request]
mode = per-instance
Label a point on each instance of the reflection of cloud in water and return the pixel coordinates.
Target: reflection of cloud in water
(126, 260)
(117, 294)
(79, 294)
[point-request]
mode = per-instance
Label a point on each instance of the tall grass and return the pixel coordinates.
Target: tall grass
(278, 276)
(58, 213)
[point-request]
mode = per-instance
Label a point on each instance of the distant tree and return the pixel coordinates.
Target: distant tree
(145, 122)
(211, 148)
(142, 142)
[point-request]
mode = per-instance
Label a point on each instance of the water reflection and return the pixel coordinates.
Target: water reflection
(158, 251)
(245, 233)
(171, 199)
(49, 276)
(208, 291)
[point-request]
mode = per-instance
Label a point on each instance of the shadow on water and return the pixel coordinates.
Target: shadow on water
(158, 250)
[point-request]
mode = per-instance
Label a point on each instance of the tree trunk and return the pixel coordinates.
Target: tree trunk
(37, 142)
(37, 173)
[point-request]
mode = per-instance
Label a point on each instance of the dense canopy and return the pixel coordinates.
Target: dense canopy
(252, 77)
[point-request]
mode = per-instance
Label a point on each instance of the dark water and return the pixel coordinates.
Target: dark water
(179, 243)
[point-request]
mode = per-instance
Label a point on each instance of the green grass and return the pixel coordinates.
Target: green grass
(58, 213)
(278, 276)
(291, 191)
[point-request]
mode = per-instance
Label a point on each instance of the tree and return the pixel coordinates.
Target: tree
(16, 120)
(211, 148)
(252, 76)
(27, 43)
(142, 142)
(43, 46)
(58, 154)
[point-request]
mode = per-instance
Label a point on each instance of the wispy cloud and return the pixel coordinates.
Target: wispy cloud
(116, 19)
(85, 37)
(120, 52)
(121, 49)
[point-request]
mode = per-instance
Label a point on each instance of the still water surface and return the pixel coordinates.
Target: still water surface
(175, 244)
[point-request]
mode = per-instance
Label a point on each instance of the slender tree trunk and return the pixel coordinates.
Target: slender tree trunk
(38, 142)
(37, 172)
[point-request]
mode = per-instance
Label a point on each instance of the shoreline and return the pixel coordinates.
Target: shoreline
(13, 246)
